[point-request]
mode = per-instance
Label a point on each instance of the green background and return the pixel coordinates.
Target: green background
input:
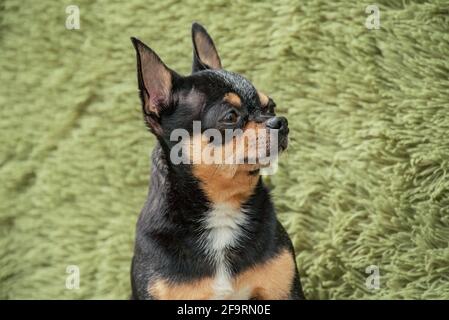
(364, 182)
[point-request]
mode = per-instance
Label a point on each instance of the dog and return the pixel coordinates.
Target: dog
(208, 231)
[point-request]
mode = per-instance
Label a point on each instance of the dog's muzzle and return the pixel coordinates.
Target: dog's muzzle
(280, 124)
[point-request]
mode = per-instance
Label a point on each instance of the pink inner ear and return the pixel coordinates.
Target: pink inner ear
(157, 81)
(206, 51)
(156, 103)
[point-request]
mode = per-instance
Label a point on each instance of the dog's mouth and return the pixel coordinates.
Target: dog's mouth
(270, 154)
(254, 172)
(283, 144)
(247, 153)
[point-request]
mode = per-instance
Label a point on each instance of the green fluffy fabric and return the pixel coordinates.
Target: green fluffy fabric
(365, 180)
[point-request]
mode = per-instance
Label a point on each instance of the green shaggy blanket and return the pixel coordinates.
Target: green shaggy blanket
(365, 181)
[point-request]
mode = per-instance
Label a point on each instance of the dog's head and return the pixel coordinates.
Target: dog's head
(219, 101)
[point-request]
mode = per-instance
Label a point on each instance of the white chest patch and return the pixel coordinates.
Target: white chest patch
(223, 227)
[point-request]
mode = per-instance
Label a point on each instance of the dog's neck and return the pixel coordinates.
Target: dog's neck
(203, 186)
(178, 205)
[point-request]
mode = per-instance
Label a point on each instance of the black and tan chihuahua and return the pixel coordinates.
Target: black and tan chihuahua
(208, 231)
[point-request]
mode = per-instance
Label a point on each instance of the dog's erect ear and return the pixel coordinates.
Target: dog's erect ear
(155, 84)
(205, 55)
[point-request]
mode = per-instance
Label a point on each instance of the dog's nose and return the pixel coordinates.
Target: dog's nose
(279, 123)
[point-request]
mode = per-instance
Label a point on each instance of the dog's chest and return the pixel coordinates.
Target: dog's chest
(224, 228)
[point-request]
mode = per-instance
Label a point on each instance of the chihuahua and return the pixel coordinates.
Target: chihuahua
(208, 230)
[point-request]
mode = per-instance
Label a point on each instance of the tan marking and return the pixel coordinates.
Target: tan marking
(263, 98)
(195, 290)
(233, 99)
(221, 187)
(228, 183)
(270, 280)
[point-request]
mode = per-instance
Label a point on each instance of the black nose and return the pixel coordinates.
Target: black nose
(279, 123)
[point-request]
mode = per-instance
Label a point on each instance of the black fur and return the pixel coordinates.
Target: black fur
(169, 228)
(168, 233)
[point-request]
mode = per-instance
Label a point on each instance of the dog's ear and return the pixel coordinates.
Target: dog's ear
(205, 55)
(155, 84)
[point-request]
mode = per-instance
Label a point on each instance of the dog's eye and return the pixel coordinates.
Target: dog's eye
(231, 117)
